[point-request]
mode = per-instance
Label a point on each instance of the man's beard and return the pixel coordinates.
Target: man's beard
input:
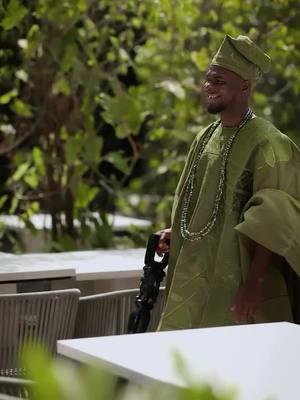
(215, 108)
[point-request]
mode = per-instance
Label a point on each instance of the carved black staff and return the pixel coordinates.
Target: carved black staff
(149, 287)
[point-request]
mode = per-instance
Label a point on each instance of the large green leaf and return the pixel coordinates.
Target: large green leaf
(82, 5)
(201, 59)
(14, 205)
(21, 171)
(34, 41)
(72, 148)
(3, 199)
(7, 97)
(117, 160)
(38, 159)
(21, 108)
(125, 112)
(78, 171)
(62, 86)
(32, 178)
(173, 87)
(70, 55)
(91, 150)
(15, 12)
(84, 194)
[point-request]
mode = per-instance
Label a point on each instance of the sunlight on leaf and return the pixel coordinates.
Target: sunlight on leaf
(16, 11)
(7, 97)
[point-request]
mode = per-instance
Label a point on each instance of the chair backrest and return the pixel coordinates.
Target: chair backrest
(107, 314)
(34, 318)
(17, 387)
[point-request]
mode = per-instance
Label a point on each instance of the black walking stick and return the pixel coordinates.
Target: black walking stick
(149, 287)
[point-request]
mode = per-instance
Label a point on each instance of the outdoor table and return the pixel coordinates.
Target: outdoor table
(259, 360)
(34, 242)
(92, 271)
(43, 221)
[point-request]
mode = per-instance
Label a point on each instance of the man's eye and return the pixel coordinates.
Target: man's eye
(215, 82)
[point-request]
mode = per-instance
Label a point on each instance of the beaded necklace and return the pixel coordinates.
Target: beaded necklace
(189, 189)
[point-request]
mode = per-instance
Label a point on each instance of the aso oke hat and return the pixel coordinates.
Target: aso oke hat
(243, 57)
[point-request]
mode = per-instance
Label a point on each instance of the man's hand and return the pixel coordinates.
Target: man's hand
(164, 241)
(246, 301)
(250, 294)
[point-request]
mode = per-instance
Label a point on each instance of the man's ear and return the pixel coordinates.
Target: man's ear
(246, 85)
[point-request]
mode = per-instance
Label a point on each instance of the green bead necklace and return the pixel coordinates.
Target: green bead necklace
(189, 189)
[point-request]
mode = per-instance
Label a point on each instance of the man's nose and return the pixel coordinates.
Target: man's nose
(208, 86)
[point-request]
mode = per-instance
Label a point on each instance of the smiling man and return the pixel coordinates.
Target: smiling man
(234, 241)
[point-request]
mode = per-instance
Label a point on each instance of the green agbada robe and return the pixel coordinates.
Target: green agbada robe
(260, 203)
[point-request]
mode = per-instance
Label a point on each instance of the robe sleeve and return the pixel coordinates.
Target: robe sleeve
(271, 217)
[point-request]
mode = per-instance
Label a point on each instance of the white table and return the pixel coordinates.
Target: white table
(92, 271)
(259, 360)
(43, 223)
(19, 267)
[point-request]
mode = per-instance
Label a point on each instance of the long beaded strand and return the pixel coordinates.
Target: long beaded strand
(185, 233)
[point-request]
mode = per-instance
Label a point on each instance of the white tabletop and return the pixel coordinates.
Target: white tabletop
(43, 221)
(18, 268)
(83, 265)
(259, 360)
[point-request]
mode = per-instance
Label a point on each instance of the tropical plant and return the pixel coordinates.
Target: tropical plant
(101, 99)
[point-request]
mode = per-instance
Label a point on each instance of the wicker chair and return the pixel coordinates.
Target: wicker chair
(39, 317)
(107, 313)
(16, 387)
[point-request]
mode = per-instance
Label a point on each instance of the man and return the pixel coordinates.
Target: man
(236, 213)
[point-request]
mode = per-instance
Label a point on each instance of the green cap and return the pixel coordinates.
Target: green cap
(243, 57)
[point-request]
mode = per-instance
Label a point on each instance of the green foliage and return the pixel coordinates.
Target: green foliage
(79, 75)
(125, 112)
(61, 380)
(14, 14)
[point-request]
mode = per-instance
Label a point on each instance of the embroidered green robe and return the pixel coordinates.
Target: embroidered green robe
(260, 203)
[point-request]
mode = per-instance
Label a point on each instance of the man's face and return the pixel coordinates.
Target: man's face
(223, 89)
